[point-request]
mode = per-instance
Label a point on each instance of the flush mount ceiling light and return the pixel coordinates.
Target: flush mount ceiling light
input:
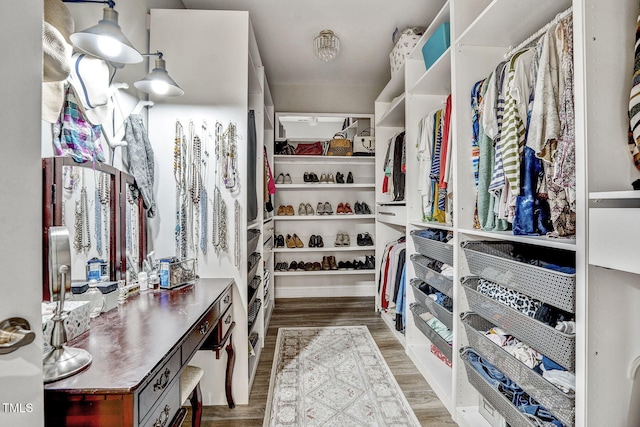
(106, 40)
(158, 80)
(326, 45)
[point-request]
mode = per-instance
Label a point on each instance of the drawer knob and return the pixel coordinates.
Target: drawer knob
(204, 327)
(162, 381)
(161, 421)
(227, 299)
(227, 320)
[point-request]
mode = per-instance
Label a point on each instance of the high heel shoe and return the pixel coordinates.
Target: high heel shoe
(298, 243)
(349, 178)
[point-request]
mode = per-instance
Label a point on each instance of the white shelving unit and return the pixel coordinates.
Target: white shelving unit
(342, 282)
(606, 289)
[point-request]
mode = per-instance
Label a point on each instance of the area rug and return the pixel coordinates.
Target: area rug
(334, 376)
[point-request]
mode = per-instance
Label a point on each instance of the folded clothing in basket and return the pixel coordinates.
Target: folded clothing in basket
(520, 399)
(439, 327)
(439, 235)
(520, 302)
(437, 296)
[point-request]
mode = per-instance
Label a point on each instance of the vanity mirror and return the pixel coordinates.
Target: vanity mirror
(90, 200)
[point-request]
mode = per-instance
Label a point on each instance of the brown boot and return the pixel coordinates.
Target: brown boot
(325, 263)
(332, 263)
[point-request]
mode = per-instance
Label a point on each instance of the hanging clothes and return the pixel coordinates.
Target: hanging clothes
(252, 167)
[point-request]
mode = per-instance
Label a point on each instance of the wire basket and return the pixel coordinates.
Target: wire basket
(511, 414)
(560, 404)
(494, 261)
(253, 236)
(434, 249)
(253, 313)
(431, 277)
(253, 262)
(444, 315)
(428, 332)
(252, 288)
(558, 346)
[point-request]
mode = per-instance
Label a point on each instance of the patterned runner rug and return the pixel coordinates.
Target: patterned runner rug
(333, 377)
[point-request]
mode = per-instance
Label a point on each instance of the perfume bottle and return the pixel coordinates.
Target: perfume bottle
(95, 298)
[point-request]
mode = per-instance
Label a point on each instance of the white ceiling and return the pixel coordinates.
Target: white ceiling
(285, 30)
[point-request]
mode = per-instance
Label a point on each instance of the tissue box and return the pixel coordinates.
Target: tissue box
(401, 50)
(76, 322)
(435, 46)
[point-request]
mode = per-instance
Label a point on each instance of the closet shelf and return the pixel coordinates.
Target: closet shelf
(326, 249)
(324, 160)
(253, 224)
(436, 80)
(324, 217)
(325, 273)
(394, 87)
(310, 186)
(394, 115)
(550, 242)
(614, 195)
(442, 16)
(489, 27)
(432, 224)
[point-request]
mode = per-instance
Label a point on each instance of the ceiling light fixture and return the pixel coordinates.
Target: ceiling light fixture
(106, 39)
(326, 45)
(158, 80)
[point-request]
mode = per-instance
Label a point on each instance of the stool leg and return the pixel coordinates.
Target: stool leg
(196, 406)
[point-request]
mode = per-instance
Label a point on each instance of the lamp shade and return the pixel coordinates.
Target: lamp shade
(106, 40)
(326, 45)
(159, 82)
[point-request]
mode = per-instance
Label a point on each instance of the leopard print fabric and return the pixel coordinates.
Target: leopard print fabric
(520, 302)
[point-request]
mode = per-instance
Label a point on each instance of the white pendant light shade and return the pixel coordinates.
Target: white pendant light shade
(159, 82)
(326, 45)
(106, 40)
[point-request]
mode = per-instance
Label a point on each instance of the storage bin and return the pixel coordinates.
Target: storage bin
(436, 45)
(433, 249)
(75, 323)
(402, 49)
(556, 345)
(511, 414)
(560, 404)
(494, 261)
(431, 277)
(177, 273)
(437, 340)
(444, 315)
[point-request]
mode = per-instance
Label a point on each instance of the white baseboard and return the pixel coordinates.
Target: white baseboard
(311, 291)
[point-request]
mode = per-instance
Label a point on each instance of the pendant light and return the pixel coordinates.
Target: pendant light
(106, 40)
(158, 80)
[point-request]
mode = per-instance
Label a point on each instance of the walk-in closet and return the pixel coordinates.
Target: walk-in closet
(279, 213)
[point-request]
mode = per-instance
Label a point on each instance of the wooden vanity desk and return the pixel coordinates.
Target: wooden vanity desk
(139, 350)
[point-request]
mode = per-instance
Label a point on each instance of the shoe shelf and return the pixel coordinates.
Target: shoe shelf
(324, 272)
(323, 186)
(323, 217)
(326, 249)
(325, 160)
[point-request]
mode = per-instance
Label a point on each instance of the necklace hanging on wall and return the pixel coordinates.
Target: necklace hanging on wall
(102, 199)
(179, 166)
(82, 237)
(203, 193)
(236, 220)
(132, 225)
(230, 159)
(219, 213)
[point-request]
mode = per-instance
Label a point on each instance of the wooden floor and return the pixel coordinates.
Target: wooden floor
(331, 312)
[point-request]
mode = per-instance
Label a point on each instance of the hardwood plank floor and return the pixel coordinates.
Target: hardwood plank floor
(331, 312)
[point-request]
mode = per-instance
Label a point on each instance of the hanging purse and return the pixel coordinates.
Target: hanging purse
(364, 144)
(340, 146)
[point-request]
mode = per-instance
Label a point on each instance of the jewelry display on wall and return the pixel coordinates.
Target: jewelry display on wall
(219, 212)
(131, 235)
(194, 179)
(229, 153)
(236, 220)
(179, 167)
(102, 203)
(204, 197)
(82, 238)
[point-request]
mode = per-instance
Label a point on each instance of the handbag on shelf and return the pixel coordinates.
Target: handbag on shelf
(309, 149)
(340, 145)
(283, 148)
(364, 144)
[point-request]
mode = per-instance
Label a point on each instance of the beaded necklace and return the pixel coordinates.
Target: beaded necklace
(82, 237)
(230, 158)
(219, 213)
(102, 199)
(236, 220)
(179, 163)
(132, 225)
(203, 193)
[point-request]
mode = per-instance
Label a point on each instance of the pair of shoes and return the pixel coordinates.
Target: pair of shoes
(365, 239)
(342, 239)
(362, 208)
(286, 210)
(344, 209)
(327, 179)
(294, 241)
(324, 208)
(339, 178)
(342, 265)
(315, 241)
(316, 266)
(349, 178)
(284, 179)
(300, 265)
(305, 209)
(368, 264)
(278, 241)
(310, 177)
(282, 266)
(329, 263)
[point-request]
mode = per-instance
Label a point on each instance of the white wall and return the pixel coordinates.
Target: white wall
(324, 99)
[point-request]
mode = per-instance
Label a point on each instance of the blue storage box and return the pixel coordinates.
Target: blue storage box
(436, 45)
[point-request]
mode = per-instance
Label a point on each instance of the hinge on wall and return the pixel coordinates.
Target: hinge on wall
(53, 194)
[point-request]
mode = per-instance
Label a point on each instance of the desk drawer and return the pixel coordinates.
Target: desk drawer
(225, 300)
(199, 333)
(163, 413)
(158, 384)
(223, 325)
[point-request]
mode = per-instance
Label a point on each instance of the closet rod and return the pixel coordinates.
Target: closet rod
(538, 33)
